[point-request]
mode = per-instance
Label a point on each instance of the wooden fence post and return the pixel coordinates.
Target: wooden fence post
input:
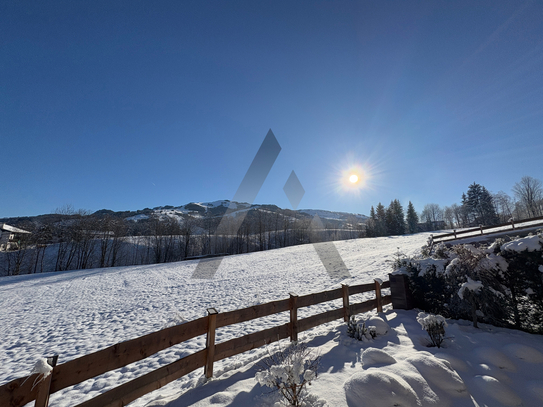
(293, 317)
(454, 230)
(346, 306)
(512, 223)
(481, 227)
(378, 295)
(42, 397)
(210, 342)
(402, 298)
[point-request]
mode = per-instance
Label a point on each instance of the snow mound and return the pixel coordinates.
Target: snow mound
(221, 398)
(454, 362)
(376, 388)
(373, 357)
(525, 353)
(438, 373)
(495, 357)
(497, 390)
(536, 387)
(530, 243)
(381, 327)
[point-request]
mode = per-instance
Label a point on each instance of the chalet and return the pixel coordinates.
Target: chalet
(10, 236)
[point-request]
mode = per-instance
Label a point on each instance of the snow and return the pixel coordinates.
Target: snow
(470, 285)
(42, 367)
(429, 320)
(76, 313)
(530, 243)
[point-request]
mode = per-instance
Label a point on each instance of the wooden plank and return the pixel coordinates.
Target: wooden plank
(363, 306)
(346, 308)
(362, 288)
(42, 398)
(255, 340)
(124, 353)
(386, 284)
(317, 298)
(387, 299)
(293, 317)
(378, 296)
(134, 389)
(247, 314)
(18, 392)
(319, 319)
(210, 342)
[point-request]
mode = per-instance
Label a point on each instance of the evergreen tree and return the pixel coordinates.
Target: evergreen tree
(395, 220)
(479, 206)
(371, 224)
(412, 218)
(381, 224)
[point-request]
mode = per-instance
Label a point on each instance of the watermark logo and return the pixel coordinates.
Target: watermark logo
(248, 190)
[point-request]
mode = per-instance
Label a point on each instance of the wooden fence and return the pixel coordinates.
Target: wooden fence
(21, 391)
(511, 226)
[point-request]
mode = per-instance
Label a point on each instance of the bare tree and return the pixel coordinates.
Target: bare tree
(504, 206)
(529, 191)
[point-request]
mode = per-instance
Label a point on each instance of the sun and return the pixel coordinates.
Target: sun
(353, 178)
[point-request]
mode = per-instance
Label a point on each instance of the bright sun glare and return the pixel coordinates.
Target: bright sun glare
(353, 178)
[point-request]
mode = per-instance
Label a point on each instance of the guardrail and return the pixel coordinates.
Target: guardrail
(509, 226)
(21, 391)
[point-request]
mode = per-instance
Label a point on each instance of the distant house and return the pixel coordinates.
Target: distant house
(10, 236)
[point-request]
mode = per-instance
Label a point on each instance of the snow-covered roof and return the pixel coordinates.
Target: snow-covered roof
(12, 229)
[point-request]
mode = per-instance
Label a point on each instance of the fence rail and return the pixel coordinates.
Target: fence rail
(520, 225)
(21, 391)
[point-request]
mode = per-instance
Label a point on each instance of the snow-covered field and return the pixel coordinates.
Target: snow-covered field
(76, 313)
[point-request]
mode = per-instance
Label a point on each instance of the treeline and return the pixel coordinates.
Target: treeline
(74, 240)
(478, 207)
(392, 221)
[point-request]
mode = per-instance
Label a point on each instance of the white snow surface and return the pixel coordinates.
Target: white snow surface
(530, 243)
(76, 313)
(470, 285)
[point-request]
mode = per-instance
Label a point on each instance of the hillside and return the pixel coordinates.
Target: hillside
(76, 313)
(198, 210)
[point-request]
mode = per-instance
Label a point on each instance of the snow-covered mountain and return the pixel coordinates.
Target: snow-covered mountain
(219, 208)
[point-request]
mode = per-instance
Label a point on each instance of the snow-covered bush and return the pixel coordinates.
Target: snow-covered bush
(434, 325)
(501, 284)
(289, 371)
(360, 331)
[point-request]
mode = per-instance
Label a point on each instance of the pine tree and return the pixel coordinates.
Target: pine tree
(380, 226)
(395, 221)
(479, 206)
(371, 224)
(412, 218)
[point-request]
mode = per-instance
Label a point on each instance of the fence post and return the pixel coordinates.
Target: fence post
(454, 230)
(293, 317)
(402, 298)
(481, 227)
(378, 295)
(512, 223)
(210, 341)
(346, 306)
(42, 397)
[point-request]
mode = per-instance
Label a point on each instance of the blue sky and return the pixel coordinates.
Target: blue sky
(125, 105)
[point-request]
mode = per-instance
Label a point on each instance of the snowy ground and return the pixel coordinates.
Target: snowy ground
(76, 313)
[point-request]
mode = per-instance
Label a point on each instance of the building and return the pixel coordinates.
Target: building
(10, 236)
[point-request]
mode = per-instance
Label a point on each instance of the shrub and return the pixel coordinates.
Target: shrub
(360, 331)
(435, 326)
(509, 276)
(289, 371)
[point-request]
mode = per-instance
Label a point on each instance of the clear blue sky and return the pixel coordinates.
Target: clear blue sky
(126, 104)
